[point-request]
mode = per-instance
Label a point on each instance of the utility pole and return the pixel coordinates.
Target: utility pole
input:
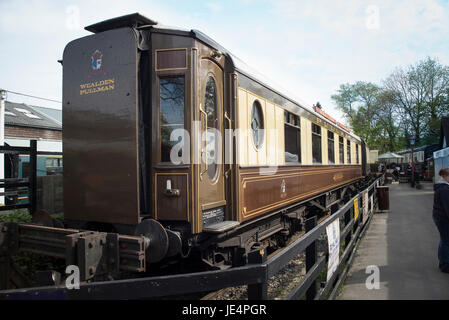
(2, 139)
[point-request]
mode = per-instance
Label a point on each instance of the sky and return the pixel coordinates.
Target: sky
(307, 47)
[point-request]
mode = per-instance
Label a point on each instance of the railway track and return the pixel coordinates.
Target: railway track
(213, 295)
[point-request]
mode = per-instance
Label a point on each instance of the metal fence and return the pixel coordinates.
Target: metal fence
(255, 275)
(14, 186)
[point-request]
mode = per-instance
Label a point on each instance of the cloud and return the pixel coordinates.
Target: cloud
(213, 6)
(308, 47)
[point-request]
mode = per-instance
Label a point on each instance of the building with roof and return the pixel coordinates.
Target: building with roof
(24, 123)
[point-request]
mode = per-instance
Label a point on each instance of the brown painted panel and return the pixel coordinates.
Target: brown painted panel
(263, 193)
(171, 59)
(164, 207)
(211, 189)
(100, 136)
(169, 206)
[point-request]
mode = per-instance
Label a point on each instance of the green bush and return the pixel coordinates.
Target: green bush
(16, 216)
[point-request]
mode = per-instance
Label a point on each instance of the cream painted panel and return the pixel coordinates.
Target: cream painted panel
(252, 154)
(324, 151)
(280, 145)
(360, 153)
(336, 146)
(353, 157)
(352, 152)
(262, 154)
(306, 141)
(243, 128)
(270, 133)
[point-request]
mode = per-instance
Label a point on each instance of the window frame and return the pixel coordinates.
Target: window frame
(348, 148)
(341, 149)
(185, 114)
(217, 119)
(260, 145)
(330, 142)
(317, 137)
(292, 121)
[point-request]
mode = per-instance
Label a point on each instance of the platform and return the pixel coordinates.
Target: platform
(403, 244)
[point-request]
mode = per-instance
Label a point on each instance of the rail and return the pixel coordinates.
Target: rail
(255, 275)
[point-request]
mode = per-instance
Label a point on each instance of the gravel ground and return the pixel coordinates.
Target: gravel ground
(280, 284)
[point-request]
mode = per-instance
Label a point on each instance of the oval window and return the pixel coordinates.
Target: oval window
(257, 126)
(211, 108)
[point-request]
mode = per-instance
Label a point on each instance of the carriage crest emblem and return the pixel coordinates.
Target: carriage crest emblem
(283, 189)
(96, 59)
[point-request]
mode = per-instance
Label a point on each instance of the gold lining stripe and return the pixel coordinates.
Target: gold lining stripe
(305, 173)
(297, 198)
(192, 166)
(303, 168)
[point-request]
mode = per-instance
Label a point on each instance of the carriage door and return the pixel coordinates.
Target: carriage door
(211, 183)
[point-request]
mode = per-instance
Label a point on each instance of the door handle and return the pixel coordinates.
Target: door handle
(226, 173)
(202, 149)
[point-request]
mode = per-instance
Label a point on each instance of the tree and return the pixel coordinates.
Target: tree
(421, 92)
(386, 121)
(359, 104)
(411, 101)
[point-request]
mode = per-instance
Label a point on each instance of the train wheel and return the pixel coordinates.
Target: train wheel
(157, 238)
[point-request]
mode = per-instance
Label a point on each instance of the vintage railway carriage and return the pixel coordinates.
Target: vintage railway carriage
(128, 88)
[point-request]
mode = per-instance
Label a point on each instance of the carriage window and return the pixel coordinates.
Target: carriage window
(292, 133)
(341, 150)
(172, 112)
(53, 166)
(316, 143)
(257, 125)
(210, 106)
(349, 151)
(357, 153)
(330, 147)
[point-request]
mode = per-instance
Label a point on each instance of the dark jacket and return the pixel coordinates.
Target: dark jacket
(441, 200)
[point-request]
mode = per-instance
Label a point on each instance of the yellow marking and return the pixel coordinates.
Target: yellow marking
(337, 176)
(97, 86)
(43, 155)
